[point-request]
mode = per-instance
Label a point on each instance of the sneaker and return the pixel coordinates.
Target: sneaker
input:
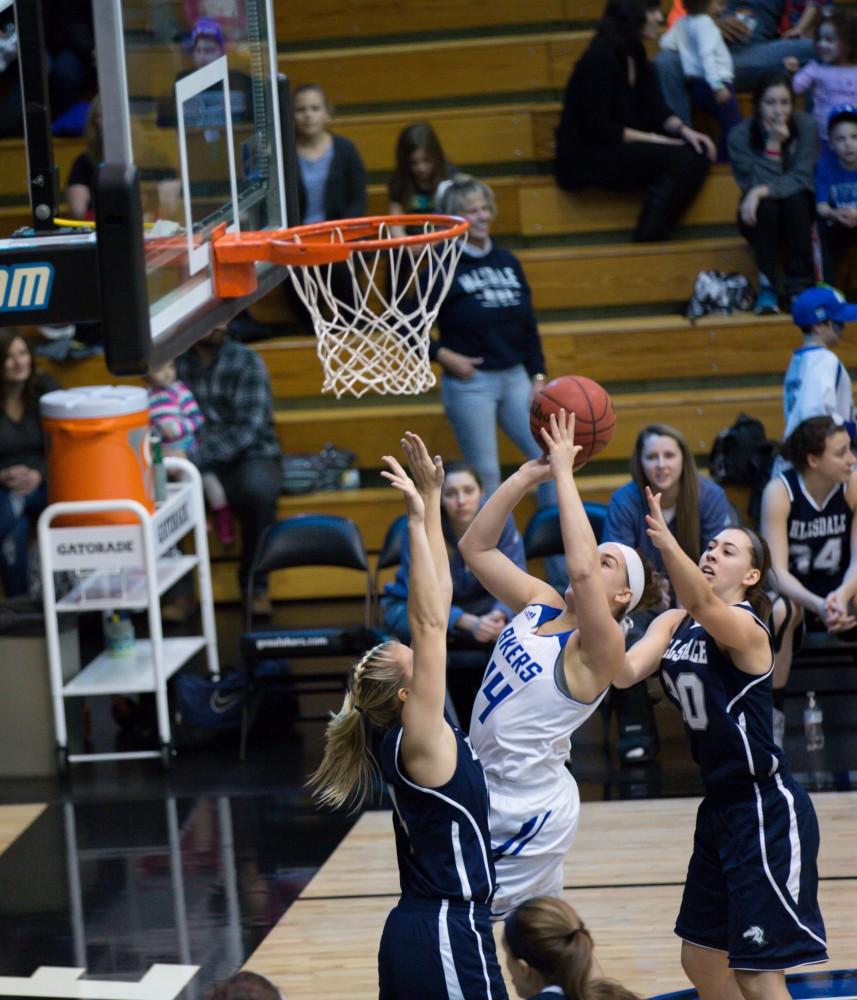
(224, 525)
(779, 724)
(766, 302)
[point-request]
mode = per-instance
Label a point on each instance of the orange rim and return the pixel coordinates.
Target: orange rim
(234, 254)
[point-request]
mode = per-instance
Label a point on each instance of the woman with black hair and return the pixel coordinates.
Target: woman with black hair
(773, 156)
(616, 132)
(750, 903)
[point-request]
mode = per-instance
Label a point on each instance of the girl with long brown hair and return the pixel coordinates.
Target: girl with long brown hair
(437, 941)
(23, 493)
(750, 907)
(695, 508)
(549, 954)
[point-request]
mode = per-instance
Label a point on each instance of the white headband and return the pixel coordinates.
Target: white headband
(635, 571)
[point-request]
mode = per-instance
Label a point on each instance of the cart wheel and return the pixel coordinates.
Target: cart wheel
(167, 754)
(62, 761)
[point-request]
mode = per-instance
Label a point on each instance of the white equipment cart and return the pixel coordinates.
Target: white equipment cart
(127, 566)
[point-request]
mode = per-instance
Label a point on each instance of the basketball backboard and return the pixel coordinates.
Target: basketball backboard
(196, 128)
(202, 121)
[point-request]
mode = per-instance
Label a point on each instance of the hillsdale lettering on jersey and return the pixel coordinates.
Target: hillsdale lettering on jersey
(818, 527)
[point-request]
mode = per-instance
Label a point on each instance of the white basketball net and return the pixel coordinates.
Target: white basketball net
(373, 328)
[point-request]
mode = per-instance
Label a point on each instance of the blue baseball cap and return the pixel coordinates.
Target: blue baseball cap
(820, 304)
(207, 27)
(841, 113)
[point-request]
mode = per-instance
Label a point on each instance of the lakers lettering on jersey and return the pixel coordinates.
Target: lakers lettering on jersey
(522, 718)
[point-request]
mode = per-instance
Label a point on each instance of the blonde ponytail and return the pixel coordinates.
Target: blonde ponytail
(348, 769)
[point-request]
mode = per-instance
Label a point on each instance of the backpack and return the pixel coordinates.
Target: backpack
(208, 711)
(322, 471)
(720, 293)
(743, 455)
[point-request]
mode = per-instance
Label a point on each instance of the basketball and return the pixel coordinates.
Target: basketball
(591, 406)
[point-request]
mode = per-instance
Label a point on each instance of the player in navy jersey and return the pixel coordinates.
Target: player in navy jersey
(808, 522)
(549, 671)
(437, 942)
(749, 909)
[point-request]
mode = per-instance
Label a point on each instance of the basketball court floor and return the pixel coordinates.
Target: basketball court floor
(159, 885)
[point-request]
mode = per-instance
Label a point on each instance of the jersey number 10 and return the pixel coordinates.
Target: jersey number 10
(690, 694)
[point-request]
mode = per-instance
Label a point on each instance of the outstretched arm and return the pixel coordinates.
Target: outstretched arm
(729, 626)
(601, 652)
(645, 656)
(428, 745)
(497, 573)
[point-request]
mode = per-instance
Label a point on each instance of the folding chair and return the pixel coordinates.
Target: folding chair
(304, 540)
(543, 536)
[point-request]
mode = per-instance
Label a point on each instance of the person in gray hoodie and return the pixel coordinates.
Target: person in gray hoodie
(773, 156)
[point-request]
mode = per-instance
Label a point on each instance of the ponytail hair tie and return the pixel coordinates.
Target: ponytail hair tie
(358, 708)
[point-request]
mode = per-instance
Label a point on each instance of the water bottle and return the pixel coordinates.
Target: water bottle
(119, 635)
(158, 468)
(812, 720)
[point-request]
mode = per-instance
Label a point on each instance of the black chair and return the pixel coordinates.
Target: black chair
(304, 540)
(389, 556)
(543, 536)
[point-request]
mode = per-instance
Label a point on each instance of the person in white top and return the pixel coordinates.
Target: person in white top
(706, 63)
(817, 383)
(549, 670)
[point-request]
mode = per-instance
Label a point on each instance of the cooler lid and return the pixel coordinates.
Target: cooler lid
(88, 401)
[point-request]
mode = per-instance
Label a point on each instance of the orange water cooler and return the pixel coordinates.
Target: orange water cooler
(97, 445)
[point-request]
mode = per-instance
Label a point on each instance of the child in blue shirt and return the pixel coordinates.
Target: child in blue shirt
(836, 190)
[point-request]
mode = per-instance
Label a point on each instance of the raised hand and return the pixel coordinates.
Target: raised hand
(427, 472)
(656, 527)
(398, 478)
(559, 440)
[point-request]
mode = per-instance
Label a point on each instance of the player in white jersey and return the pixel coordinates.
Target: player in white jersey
(548, 673)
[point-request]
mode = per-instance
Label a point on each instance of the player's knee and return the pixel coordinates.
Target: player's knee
(700, 964)
(761, 985)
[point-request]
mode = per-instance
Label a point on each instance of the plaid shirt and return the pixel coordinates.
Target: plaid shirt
(234, 394)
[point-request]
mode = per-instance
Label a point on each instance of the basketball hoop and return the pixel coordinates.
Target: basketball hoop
(372, 316)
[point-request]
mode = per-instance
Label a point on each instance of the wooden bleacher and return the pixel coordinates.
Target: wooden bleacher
(489, 77)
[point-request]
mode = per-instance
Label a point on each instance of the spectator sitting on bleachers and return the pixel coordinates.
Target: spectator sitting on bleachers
(696, 509)
(80, 186)
(331, 178)
(817, 383)
(475, 618)
(808, 522)
(616, 132)
(206, 110)
(23, 493)
(421, 173)
(773, 157)
(751, 29)
(237, 442)
(707, 64)
(331, 184)
(836, 192)
(830, 78)
(175, 414)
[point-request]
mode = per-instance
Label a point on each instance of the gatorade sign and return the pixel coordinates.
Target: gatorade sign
(25, 287)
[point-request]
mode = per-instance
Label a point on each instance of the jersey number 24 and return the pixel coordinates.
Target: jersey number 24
(828, 559)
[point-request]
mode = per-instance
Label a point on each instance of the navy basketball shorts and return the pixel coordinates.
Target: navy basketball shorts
(752, 881)
(434, 949)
